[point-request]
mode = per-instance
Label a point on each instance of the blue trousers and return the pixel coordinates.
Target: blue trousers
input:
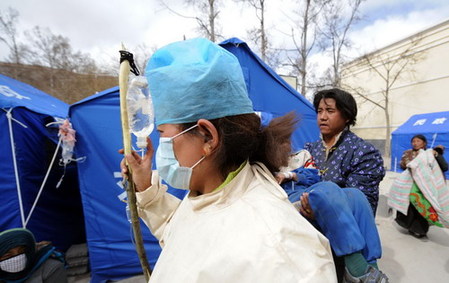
(344, 216)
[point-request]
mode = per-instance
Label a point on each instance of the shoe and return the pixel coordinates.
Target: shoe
(401, 223)
(416, 235)
(372, 275)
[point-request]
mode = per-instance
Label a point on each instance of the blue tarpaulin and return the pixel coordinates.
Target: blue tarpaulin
(97, 121)
(272, 94)
(99, 135)
(58, 214)
(434, 126)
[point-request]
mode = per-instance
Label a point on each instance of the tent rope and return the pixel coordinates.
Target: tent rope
(44, 181)
(14, 160)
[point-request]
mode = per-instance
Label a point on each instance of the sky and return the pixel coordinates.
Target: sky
(99, 27)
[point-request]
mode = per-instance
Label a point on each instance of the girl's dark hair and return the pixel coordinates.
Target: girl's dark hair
(344, 102)
(421, 137)
(243, 138)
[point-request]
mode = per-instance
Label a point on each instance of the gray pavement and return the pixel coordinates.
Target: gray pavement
(404, 258)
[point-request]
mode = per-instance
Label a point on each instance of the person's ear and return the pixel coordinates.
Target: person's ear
(210, 133)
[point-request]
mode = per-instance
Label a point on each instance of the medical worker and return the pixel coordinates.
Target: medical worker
(236, 223)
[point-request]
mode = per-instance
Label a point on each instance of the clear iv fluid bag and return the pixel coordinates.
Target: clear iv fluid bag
(140, 110)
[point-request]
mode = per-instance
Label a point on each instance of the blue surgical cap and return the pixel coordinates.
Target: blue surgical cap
(196, 79)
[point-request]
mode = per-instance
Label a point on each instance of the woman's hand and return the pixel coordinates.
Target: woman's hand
(439, 149)
(140, 167)
(306, 209)
(282, 177)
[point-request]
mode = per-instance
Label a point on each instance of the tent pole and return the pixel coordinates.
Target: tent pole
(16, 169)
(43, 182)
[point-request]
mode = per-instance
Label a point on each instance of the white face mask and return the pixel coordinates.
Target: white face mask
(169, 168)
(14, 264)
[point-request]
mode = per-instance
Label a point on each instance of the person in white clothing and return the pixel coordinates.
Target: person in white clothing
(236, 223)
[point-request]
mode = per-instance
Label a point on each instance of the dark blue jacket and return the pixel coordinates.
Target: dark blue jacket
(352, 163)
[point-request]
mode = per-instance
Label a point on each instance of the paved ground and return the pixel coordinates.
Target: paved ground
(405, 259)
(408, 259)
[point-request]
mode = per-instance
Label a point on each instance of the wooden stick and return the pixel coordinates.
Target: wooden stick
(129, 186)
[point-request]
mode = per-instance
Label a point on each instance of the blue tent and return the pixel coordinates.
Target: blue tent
(97, 121)
(434, 126)
(111, 252)
(57, 217)
(272, 95)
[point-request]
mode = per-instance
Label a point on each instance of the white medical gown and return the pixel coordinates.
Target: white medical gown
(247, 231)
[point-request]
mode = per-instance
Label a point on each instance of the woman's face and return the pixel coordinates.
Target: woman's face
(187, 147)
(195, 147)
(418, 144)
(330, 120)
(13, 252)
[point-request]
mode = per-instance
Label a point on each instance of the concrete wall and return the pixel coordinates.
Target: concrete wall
(422, 86)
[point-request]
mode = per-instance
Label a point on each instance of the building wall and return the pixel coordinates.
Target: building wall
(291, 80)
(421, 88)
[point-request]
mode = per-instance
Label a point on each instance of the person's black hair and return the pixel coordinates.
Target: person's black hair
(421, 137)
(242, 137)
(344, 102)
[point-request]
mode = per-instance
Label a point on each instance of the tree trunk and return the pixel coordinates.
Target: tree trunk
(387, 129)
(212, 20)
(304, 48)
(263, 35)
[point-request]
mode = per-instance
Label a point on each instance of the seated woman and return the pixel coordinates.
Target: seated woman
(343, 208)
(24, 260)
(340, 214)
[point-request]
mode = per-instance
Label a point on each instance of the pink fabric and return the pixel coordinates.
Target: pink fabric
(66, 133)
(398, 197)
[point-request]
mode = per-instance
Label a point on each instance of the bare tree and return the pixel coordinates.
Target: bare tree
(339, 17)
(45, 48)
(306, 30)
(55, 51)
(83, 63)
(259, 34)
(56, 68)
(206, 18)
(9, 35)
(48, 49)
(389, 67)
(142, 53)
